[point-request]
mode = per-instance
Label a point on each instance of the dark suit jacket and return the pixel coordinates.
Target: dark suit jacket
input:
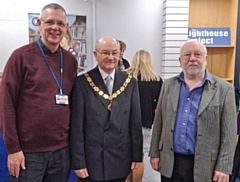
(125, 63)
(216, 129)
(105, 142)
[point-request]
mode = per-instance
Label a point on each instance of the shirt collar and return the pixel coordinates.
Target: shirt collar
(207, 77)
(104, 74)
(45, 48)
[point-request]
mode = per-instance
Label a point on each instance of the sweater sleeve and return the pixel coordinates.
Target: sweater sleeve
(10, 88)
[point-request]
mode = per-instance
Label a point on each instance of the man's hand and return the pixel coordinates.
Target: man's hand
(16, 160)
(220, 177)
(155, 162)
(82, 173)
(135, 165)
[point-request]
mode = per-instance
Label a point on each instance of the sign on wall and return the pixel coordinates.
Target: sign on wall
(211, 36)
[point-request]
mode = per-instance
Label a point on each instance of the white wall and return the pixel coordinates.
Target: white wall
(136, 22)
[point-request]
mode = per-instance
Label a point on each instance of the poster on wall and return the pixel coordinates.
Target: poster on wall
(77, 26)
(211, 36)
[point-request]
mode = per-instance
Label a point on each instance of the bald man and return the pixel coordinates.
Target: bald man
(105, 134)
(194, 131)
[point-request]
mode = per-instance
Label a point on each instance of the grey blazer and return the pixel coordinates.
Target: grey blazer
(216, 129)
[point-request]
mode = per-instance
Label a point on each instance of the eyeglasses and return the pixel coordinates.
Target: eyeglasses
(195, 54)
(107, 53)
(52, 22)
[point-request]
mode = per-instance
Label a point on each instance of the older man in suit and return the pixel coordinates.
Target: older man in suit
(105, 133)
(194, 132)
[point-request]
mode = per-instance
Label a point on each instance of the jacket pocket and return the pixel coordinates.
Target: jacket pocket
(160, 145)
(214, 155)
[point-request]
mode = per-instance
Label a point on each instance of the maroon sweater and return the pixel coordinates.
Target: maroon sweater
(30, 119)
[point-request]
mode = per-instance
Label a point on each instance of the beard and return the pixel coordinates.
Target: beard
(194, 72)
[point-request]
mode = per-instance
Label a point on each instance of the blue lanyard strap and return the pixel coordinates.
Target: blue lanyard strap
(50, 68)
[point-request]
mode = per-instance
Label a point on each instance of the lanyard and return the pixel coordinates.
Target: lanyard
(50, 68)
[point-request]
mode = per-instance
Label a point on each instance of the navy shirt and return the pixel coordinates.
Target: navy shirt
(186, 121)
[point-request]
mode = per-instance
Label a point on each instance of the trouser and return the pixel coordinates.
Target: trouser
(183, 169)
(51, 166)
(88, 180)
(236, 162)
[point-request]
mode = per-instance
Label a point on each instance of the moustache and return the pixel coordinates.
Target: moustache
(192, 64)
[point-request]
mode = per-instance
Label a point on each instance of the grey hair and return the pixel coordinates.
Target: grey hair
(194, 40)
(52, 6)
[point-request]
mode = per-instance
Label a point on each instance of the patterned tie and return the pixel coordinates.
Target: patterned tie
(108, 80)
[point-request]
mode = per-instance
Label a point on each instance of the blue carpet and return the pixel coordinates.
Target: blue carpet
(4, 174)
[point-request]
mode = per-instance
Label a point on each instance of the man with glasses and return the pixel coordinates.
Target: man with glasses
(35, 95)
(105, 135)
(194, 131)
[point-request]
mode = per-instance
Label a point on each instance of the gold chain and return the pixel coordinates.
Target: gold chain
(106, 96)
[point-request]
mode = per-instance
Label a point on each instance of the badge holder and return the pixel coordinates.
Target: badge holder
(62, 99)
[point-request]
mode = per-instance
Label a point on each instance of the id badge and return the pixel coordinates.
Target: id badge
(62, 99)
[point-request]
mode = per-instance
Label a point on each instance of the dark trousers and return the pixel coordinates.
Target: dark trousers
(45, 167)
(183, 169)
(88, 180)
(236, 162)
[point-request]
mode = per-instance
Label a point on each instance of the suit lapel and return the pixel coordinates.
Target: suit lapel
(209, 91)
(174, 93)
(98, 81)
(118, 82)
